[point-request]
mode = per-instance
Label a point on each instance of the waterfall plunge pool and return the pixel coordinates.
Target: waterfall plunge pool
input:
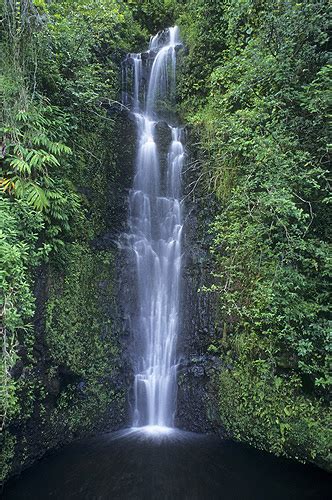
(147, 464)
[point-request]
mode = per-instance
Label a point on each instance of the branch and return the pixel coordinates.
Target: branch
(310, 210)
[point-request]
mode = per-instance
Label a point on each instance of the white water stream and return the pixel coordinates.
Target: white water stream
(155, 234)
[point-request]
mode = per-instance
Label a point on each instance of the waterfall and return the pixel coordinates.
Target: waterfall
(155, 225)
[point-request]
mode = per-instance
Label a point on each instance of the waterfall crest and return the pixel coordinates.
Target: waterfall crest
(155, 225)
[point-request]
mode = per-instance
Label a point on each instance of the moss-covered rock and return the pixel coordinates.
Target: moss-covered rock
(271, 413)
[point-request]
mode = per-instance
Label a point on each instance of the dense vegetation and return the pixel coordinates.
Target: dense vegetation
(254, 91)
(255, 88)
(59, 152)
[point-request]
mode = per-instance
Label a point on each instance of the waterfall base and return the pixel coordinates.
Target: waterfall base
(154, 430)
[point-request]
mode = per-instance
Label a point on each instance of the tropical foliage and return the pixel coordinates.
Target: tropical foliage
(262, 88)
(59, 99)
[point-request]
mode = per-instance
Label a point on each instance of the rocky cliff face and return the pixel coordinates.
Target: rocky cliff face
(197, 398)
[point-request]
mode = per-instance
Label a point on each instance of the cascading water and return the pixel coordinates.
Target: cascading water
(155, 233)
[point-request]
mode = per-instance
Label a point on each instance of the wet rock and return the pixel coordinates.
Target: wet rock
(198, 371)
(197, 404)
(17, 370)
(196, 398)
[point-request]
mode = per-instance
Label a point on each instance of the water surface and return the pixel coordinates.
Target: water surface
(172, 465)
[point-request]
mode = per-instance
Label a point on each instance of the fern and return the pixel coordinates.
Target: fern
(33, 158)
(37, 197)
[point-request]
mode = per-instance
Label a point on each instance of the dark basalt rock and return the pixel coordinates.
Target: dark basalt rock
(197, 400)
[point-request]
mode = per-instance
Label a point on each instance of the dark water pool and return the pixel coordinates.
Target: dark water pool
(134, 465)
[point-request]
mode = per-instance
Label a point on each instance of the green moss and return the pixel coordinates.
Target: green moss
(74, 323)
(82, 414)
(271, 413)
(7, 442)
(81, 339)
